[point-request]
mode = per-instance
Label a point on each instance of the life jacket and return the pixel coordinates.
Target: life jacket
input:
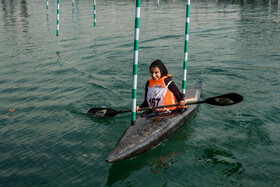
(159, 94)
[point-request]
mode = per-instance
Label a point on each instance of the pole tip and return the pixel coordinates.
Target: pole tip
(132, 123)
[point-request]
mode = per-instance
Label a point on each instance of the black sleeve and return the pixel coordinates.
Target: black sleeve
(145, 103)
(174, 89)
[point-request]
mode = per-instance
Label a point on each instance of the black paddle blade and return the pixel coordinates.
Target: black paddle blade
(103, 112)
(224, 100)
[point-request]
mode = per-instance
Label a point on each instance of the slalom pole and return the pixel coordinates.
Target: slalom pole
(94, 12)
(72, 2)
(57, 22)
(158, 3)
(186, 47)
(47, 4)
(135, 61)
(173, 1)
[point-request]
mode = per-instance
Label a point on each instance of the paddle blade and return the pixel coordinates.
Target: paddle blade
(224, 100)
(103, 112)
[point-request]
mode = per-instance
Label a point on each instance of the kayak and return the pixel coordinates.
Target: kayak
(152, 128)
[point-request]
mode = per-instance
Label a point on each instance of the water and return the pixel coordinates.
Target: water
(48, 83)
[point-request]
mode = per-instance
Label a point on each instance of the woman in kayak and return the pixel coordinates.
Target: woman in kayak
(161, 90)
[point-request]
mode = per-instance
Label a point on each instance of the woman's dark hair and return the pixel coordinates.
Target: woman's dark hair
(158, 63)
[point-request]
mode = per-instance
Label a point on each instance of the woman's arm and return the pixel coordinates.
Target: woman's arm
(175, 90)
(145, 103)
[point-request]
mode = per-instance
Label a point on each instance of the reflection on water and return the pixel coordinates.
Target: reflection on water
(161, 165)
(15, 14)
(157, 167)
(126, 167)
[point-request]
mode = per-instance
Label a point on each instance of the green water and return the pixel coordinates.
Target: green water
(48, 83)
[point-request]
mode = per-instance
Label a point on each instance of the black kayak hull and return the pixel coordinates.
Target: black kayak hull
(150, 130)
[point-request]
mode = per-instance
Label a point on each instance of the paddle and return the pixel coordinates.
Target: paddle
(221, 100)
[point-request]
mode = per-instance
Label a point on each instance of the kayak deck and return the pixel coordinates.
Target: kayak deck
(151, 129)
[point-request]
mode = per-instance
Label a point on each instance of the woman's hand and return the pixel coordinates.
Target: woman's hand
(137, 109)
(183, 104)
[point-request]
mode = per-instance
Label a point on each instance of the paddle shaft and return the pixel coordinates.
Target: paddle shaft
(162, 106)
(222, 100)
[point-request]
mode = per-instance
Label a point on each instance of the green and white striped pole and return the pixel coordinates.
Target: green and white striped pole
(186, 47)
(94, 12)
(57, 22)
(135, 61)
(72, 2)
(47, 4)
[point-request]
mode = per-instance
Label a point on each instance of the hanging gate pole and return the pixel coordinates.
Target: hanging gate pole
(94, 12)
(57, 22)
(186, 48)
(135, 61)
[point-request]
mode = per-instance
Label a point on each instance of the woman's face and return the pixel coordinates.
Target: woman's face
(155, 73)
